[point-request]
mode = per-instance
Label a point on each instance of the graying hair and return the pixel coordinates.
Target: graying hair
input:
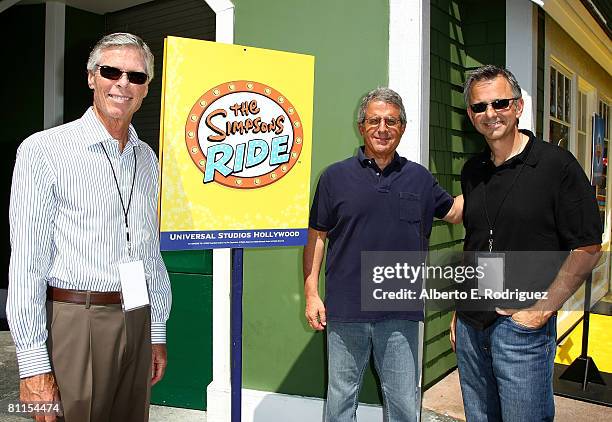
(121, 39)
(487, 73)
(385, 95)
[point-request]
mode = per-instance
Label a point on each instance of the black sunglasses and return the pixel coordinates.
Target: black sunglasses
(500, 104)
(114, 74)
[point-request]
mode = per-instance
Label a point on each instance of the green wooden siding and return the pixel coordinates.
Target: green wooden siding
(464, 34)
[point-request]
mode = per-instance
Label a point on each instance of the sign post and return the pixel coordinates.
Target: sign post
(235, 148)
(236, 334)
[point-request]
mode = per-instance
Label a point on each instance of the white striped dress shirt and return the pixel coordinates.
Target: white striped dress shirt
(68, 227)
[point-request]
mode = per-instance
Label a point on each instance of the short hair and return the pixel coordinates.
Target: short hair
(383, 94)
(121, 39)
(487, 73)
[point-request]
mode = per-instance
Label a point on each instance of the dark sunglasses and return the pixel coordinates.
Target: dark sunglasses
(115, 74)
(500, 104)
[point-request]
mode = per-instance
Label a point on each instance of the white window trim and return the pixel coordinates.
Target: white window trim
(584, 109)
(552, 61)
(591, 106)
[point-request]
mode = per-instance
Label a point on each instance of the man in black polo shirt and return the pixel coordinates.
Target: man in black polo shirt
(376, 201)
(521, 194)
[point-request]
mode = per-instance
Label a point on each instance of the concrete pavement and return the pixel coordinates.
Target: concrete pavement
(9, 394)
(441, 403)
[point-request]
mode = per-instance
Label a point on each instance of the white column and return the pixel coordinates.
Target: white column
(218, 391)
(55, 19)
(521, 55)
(409, 72)
(224, 24)
(409, 25)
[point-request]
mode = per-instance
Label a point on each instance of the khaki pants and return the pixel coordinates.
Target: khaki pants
(101, 358)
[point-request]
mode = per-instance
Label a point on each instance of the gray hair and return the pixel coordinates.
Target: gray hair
(121, 39)
(385, 95)
(487, 73)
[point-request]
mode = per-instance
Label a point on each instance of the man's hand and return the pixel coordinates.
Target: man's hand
(528, 318)
(315, 312)
(40, 389)
(159, 360)
(453, 330)
(312, 259)
(575, 269)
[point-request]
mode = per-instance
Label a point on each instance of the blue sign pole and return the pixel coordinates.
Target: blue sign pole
(236, 333)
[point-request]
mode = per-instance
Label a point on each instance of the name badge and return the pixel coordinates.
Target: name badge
(493, 269)
(134, 290)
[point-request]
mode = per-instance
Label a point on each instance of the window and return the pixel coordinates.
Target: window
(560, 109)
(604, 111)
(581, 148)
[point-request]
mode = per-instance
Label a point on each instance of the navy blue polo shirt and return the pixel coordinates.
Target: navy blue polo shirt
(365, 209)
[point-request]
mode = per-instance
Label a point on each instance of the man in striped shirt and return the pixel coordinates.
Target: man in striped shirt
(84, 236)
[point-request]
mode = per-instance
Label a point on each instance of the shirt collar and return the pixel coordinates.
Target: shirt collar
(95, 132)
(533, 150)
(369, 162)
(530, 155)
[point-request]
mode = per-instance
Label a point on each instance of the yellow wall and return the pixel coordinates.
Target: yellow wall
(564, 49)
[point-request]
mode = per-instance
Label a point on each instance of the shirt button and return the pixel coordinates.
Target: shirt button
(377, 173)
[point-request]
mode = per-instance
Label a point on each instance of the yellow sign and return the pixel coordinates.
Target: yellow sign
(235, 146)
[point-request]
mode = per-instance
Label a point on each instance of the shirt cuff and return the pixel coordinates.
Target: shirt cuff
(158, 333)
(33, 362)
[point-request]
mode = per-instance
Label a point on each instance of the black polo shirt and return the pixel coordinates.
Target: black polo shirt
(365, 209)
(550, 206)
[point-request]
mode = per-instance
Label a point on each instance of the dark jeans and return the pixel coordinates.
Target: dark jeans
(506, 371)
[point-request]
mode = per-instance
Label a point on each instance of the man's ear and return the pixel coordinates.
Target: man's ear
(520, 104)
(402, 129)
(90, 80)
(361, 128)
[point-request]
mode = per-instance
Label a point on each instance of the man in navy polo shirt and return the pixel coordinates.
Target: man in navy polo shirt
(376, 201)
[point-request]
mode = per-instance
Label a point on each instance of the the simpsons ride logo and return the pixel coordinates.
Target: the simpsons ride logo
(243, 134)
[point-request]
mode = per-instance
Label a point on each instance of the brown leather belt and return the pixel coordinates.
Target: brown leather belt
(83, 297)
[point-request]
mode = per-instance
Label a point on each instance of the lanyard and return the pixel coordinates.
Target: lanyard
(486, 209)
(125, 210)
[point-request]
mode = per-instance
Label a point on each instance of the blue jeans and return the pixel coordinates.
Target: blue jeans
(506, 371)
(394, 344)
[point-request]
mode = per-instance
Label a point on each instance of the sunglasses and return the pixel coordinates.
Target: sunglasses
(114, 74)
(500, 104)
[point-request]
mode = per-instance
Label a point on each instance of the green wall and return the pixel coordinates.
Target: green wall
(464, 34)
(189, 331)
(349, 40)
